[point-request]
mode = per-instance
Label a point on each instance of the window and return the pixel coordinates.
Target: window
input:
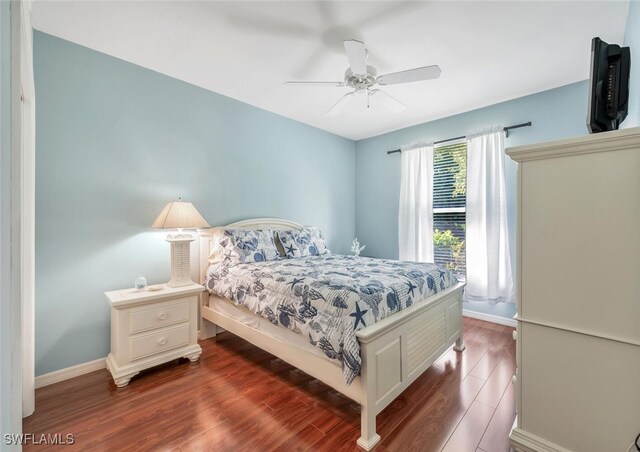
(449, 211)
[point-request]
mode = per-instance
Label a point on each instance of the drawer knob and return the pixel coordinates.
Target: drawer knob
(515, 335)
(162, 315)
(162, 340)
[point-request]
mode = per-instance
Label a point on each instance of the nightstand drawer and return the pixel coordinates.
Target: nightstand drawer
(159, 316)
(159, 342)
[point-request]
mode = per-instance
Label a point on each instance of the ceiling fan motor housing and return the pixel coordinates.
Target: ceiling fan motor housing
(361, 82)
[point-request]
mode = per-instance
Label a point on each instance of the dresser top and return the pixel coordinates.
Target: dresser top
(615, 140)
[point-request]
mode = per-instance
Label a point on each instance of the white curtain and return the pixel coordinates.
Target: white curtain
(27, 203)
(415, 220)
(489, 275)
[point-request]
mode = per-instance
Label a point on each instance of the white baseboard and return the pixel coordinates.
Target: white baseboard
(69, 372)
(81, 369)
(523, 441)
(489, 318)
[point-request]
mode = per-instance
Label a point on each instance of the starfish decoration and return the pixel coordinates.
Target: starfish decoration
(358, 315)
(295, 281)
(431, 283)
(228, 256)
(411, 287)
(290, 250)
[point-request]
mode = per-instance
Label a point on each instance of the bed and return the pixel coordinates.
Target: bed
(393, 352)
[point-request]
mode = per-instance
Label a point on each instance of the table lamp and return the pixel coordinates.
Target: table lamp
(180, 215)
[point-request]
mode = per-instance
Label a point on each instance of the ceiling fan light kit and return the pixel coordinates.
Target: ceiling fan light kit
(364, 78)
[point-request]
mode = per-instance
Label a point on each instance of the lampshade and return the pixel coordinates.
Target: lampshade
(179, 215)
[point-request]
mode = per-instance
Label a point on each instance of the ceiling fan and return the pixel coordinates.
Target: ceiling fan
(364, 79)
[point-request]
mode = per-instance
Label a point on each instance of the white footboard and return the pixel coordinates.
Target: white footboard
(400, 348)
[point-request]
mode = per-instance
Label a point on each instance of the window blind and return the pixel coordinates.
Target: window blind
(449, 206)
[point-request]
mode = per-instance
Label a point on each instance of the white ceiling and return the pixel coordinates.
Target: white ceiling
(488, 51)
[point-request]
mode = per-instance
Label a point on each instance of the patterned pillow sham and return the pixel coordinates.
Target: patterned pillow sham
(306, 242)
(244, 245)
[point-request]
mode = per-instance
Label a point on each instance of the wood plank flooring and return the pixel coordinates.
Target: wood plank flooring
(238, 397)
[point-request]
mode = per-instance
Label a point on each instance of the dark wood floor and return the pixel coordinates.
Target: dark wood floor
(241, 398)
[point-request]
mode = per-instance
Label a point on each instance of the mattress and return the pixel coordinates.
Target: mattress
(326, 299)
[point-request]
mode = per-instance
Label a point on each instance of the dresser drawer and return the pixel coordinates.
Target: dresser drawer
(151, 344)
(159, 316)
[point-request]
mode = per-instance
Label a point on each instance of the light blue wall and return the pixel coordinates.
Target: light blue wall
(115, 143)
(555, 114)
(5, 222)
(632, 40)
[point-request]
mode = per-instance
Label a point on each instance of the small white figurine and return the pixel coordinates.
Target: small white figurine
(356, 248)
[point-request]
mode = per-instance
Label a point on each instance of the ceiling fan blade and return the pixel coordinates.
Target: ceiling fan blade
(410, 75)
(312, 63)
(313, 83)
(327, 12)
(271, 27)
(396, 11)
(343, 102)
(387, 100)
(357, 55)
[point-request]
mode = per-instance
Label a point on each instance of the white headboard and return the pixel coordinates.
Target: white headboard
(206, 235)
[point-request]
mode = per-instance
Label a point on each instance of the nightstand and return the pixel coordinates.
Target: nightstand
(152, 327)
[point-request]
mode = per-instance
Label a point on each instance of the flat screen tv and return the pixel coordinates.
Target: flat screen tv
(608, 86)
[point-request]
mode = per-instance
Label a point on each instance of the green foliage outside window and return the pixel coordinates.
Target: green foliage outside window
(449, 249)
(460, 174)
(450, 176)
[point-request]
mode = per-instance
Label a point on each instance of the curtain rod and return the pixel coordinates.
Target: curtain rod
(506, 129)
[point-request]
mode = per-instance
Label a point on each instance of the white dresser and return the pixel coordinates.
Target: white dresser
(578, 276)
(152, 327)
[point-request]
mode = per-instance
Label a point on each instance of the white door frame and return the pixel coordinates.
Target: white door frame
(22, 212)
(28, 209)
(16, 220)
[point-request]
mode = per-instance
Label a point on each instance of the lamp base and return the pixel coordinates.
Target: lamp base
(180, 283)
(180, 259)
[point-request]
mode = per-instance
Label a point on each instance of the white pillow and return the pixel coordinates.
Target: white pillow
(306, 242)
(243, 245)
